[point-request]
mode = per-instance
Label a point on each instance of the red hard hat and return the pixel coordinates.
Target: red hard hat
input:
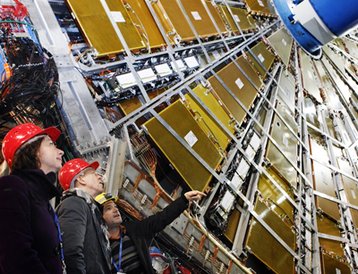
(71, 168)
(21, 134)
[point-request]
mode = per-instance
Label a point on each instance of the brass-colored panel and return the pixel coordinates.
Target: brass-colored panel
(127, 28)
(258, 6)
(146, 23)
(332, 246)
(327, 226)
(233, 222)
(265, 57)
(180, 119)
(331, 265)
(323, 179)
(173, 20)
(208, 124)
(286, 90)
(281, 41)
(309, 78)
(276, 256)
(212, 102)
(241, 17)
(328, 207)
(350, 186)
(268, 191)
(96, 26)
(130, 105)
(220, 20)
(249, 71)
(287, 142)
(199, 17)
(239, 85)
(354, 217)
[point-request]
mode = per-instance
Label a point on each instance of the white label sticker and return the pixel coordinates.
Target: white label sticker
(196, 15)
(237, 19)
(118, 17)
(239, 83)
(284, 42)
(190, 138)
(338, 271)
(353, 194)
(260, 3)
(261, 58)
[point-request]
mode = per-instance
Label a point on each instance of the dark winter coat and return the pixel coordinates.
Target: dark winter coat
(142, 232)
(85, 241)
(28, 235)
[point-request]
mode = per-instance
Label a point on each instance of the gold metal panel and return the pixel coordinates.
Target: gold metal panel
(146, 23)
(350, 186)
(332, 246)
(220, 20)
(127, 28)
(269, 191)
(331, 265)
(323, 179)
(96, 26)
(233, 222)
(239, 85)
(266, 58)
(173, 20)
(241, 16)
(130, 105)
(258, 6)
(354, 217)
(327, 226)
(309, 76)
(287, 142)
(328, 207)
(276, 256)
(180, 119)
(286, 91)
(199, 17)
(249, 71)
(208, 124)
(281, 41)
(212, 102)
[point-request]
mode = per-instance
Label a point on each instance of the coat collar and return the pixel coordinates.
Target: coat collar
(42, 184)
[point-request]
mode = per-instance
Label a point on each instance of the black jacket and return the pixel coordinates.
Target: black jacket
(85, 240)
(28, 235)
(142, 232)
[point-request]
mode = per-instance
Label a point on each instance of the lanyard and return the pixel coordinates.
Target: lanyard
(59, 235)
(118, 266)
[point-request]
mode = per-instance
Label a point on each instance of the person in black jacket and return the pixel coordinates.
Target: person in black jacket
(85, 241)
(29, 230)
(130, 240)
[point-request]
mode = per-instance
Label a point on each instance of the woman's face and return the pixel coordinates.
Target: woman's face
(49, 155)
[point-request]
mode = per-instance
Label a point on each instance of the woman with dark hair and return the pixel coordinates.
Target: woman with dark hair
(30, 238)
